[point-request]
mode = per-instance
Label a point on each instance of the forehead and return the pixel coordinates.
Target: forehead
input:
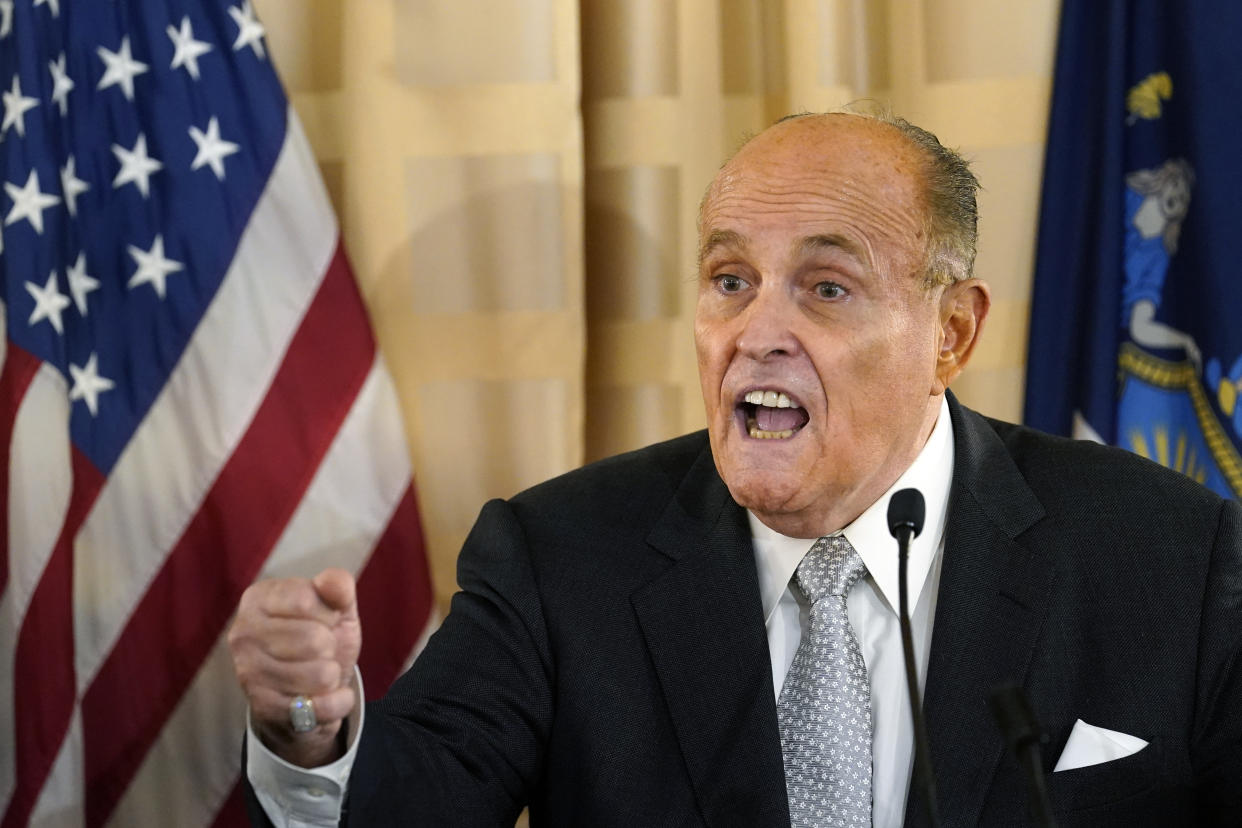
(841, 175)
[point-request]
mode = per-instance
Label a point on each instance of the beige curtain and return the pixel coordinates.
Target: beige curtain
(517, 182)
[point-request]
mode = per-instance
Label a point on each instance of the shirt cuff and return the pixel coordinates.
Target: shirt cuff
(293, 797)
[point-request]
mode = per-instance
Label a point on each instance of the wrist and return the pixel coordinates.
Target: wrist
(321, 746)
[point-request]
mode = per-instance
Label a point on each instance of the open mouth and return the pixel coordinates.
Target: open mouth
(771, 415)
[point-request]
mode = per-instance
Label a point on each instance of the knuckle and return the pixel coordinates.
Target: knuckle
(302, 598)
(322, 642)
(326, 675)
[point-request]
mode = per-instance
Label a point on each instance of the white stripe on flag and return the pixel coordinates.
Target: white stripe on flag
(60, 802)
(352, 497)
(207, 403)
(40, 484)
(343, 513)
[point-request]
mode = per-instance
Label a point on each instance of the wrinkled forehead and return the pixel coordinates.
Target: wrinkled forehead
(835, 142)
(810, 161)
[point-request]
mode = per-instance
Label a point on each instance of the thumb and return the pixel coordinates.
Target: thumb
(335, 588)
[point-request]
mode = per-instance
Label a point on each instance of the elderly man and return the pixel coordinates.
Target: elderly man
(704, 632)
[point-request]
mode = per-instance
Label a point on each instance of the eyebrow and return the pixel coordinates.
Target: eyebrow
(720, 238)
(805, 246)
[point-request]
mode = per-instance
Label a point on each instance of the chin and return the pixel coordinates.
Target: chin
(763, 493)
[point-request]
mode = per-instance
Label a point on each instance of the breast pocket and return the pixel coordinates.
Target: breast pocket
(1108, 782)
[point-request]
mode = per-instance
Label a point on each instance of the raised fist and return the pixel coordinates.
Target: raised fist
(294, 638)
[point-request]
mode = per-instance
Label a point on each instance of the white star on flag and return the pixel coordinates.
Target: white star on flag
(80, 283)
(120, 68)
(6, 18)
(29, 202)
(55, 5)
(136, 166)
(16, 106)
(249, 30)
(188, 50)
(71, 185)
(153, 267)
(62, 84)
(49, 302)
(212, 149)
(87, 384)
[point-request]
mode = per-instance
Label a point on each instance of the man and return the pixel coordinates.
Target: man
(636, 643)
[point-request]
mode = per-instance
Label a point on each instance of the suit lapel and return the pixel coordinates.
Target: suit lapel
(992, 603)
(703, 625)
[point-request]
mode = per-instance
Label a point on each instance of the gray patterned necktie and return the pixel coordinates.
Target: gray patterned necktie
(824, 710)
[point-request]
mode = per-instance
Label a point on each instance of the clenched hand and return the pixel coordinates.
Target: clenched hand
(298, 637)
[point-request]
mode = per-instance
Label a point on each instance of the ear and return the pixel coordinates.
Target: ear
(963, 307)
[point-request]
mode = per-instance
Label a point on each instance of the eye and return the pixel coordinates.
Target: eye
(829, 290)
(728, 283)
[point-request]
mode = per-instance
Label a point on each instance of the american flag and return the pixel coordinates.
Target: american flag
(191, 397)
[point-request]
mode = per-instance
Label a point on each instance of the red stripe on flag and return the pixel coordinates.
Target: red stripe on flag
(20, 366)
(44, 681)
(232, 813)
(394, 598)
(185, 609)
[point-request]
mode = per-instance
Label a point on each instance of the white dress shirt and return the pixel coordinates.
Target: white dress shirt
(872, 608)
(295, 797)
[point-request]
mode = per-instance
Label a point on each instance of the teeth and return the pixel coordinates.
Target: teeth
(770, 399)
(760, 434)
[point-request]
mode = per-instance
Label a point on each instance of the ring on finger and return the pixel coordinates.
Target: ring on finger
(302, 715)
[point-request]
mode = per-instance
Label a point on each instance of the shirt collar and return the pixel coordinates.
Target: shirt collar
(777, 555)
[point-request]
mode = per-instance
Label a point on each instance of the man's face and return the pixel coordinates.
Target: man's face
(818, 342)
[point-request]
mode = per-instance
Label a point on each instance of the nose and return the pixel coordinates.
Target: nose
(767, 327)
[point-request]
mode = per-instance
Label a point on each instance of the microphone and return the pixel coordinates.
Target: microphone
(905, 513)
(905, 521)
(1023, 736)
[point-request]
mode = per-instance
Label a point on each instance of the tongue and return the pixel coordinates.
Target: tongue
(779, 419)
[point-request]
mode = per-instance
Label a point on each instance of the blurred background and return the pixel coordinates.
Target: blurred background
(191, 396)
(517, 184)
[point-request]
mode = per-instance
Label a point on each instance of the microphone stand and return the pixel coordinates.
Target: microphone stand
(905, 521)
(1023, 735)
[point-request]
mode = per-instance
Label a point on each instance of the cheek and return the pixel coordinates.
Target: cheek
(711, 353)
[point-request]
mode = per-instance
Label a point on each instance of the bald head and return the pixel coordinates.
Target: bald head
(940, 182)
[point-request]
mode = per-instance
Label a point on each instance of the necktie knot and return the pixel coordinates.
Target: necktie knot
(830, 568)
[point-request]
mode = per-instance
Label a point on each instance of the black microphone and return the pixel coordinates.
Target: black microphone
(905, 521)
(1022, 734)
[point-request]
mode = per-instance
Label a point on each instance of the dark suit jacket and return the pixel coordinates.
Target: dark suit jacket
(606, 660)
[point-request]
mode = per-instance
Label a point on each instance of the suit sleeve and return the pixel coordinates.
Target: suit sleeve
(1218, 712)
(460, 738)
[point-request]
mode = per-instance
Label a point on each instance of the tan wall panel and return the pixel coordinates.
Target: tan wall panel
(494, 438)
(972, 39)
(997, 392)
(486, 233)
(636, 263)
(638, 415)
(305, 37)
(630, 48)
(1009, 216)
(474, 42)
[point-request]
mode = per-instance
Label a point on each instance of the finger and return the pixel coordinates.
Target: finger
(271, 708)
(294, 639)
(295, 598)
(297, 678)
(335, 588)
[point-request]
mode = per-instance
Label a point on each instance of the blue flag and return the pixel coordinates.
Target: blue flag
(1135, 338)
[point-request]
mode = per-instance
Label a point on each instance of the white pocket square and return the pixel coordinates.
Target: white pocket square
(1091, 745)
